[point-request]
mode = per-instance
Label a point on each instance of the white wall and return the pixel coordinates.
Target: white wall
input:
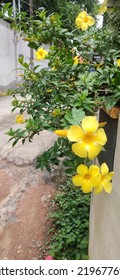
(7, 56)
(104, 242)
(11, 46)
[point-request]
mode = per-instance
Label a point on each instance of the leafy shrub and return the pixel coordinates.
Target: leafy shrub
(70, 231)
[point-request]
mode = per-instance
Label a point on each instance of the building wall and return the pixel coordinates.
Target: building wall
(7, 57)
(11, 46)
(104, 243)
(104, 237)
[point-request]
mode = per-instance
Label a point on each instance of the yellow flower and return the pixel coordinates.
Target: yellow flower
(87, 178)
(102, 9)
(53, 68)
(89, 138)
(20, 119)
(83, 21)
(118, 62)
(61, 132)
(102, 124)
(98, 65)
(76, 60)
(41, 54)
(49, 90)
(21, 75)
(106, 177)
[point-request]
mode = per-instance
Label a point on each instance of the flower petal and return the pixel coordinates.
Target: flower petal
(77, 180)
(104, 169)
(79, 150)
(84, 26)
(109, 176)
(96, 180)
(90, 124)
(118, 62)
(82, 14)
(82, 170)
(94, 170)
(102, 9)
(91, 21)
(87, 187)
(78, 22)
(75, 133)
(98, 189)
(107, 186)
(101, 137)
(60, 132)
(93, 150)
(102, 124)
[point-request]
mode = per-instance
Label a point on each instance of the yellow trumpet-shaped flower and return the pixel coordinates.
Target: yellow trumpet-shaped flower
(106, 177)
(76, 60)
(102, 124)
(118, 62)
(102, 9)
(61, 132)
(21, 75)
(87, 178)
(49, 90)
(20, 119)
(83, 21)
(41, 54)
(89, 137)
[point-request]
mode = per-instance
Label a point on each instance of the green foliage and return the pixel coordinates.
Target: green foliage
(59, 96)
(61, 150)
(70, 232)
(66, 9)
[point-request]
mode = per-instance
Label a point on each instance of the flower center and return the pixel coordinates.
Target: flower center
(87, 177)
(103, 178)
(88, 138)
(86, 19)
(41, 53)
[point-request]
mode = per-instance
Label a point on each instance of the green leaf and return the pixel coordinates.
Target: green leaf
(5, 7)
(78, 115)
(10, 12)
(33, 45)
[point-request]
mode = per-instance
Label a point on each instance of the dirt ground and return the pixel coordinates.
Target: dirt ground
(25, 204)
(25, 192)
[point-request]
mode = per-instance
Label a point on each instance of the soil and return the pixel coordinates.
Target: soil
(25, 205)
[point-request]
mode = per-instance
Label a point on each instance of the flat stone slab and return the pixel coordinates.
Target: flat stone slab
(27, 153)
(20, 154)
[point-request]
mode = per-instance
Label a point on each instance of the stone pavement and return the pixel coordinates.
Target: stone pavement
(24, 194)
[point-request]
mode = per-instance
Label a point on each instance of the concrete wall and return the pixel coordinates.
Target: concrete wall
(11, 46)
(104, 237)
(104, 240)
(7, 57)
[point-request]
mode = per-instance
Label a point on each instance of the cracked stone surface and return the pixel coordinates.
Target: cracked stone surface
(24, 194)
